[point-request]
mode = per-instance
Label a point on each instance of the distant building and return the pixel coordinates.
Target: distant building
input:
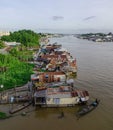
(4, 33)
(12, 43)
(98, 40)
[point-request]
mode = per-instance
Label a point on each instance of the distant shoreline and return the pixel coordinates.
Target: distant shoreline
(96, 37)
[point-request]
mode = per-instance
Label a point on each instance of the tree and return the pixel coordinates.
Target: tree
(1, 44)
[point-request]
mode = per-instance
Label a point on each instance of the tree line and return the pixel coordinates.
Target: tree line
(25, 37)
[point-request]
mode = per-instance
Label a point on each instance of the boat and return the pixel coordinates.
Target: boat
(88, 108)
(19, 107)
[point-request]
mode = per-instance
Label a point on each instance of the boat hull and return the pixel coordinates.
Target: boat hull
(19, 108)
(87, 109)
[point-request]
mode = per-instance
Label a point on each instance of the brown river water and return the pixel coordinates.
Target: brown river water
(95, 74)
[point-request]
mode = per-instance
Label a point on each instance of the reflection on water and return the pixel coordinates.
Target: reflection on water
(46, 112)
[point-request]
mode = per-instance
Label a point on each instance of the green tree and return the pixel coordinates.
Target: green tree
(13, 72)
(1, 44)
(26, 37)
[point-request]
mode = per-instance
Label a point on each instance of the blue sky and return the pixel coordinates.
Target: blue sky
(71, 16)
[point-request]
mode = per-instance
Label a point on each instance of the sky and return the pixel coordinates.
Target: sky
(62, 16)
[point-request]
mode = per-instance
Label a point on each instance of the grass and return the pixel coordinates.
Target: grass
(3, 115)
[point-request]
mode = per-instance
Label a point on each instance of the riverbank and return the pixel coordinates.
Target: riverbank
(14, 100)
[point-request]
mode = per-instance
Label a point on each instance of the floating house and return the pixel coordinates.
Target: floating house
(58, 64)
(48, 77)
(62, 96)
(53, 57)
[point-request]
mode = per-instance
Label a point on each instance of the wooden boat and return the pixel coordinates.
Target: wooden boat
(19, 107)
(88, 108)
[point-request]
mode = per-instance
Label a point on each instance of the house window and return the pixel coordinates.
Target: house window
(56, 100)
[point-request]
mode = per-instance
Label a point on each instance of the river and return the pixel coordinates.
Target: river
(95, 74)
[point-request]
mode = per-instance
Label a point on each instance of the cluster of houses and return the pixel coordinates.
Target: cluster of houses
(98, 37)
(53, 85)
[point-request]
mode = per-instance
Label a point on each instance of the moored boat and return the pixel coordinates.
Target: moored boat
(88, 108)
(19, 107)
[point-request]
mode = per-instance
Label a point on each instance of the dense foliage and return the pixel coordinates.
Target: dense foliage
(13, 72)
(1, 44)
(22, 53)
(14, 67)
(25, 37)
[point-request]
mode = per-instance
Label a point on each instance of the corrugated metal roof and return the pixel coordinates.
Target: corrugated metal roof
(59, 95)
(42, 93)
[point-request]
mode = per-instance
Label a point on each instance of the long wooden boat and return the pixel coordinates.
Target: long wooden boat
(19, 107)
(88, 108)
